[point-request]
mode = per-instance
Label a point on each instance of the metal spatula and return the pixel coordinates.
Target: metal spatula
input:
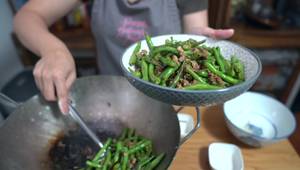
(76, 116)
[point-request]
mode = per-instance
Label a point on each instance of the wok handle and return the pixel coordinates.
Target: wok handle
(7, 104)
(196, 127)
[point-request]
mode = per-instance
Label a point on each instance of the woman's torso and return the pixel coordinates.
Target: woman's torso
(116, 24)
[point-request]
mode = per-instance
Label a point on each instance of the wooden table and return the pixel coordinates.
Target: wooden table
(194, 153)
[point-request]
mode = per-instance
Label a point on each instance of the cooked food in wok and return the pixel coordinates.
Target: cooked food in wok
(129, 151)
(188, 65)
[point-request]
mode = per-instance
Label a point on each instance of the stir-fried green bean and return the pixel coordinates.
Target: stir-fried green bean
(152, 75)
(178, 76)
(145, 70)
(133, 57)
(189, 65)
(202, 86)
(219, 58)
(149, 41)
(189, 69)
(222, 75)
(129, 151)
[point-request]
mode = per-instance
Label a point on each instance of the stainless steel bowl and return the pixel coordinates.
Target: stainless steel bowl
(200, 97)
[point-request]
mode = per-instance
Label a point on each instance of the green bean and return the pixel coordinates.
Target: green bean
(238, 67)
(152, 75)
(119, 147)
(188, 53)
(179, 74)
(202, 73)
(189, 69)
(133, 56)
(139, 147)
(164, 49)
(228, 69)
(157, 56)
(154, 163)
(222, 75)
(135, 73)
(145, 162)
(149, 42)
(201, 86)
(211, 59)
(102, 150)
(166, 74)
(125, 160)
(145, 70)
(107, 160)
(117, 166)
(197, 43)
(152, 61)
(168, 61)
(92, 164)
(219, 59)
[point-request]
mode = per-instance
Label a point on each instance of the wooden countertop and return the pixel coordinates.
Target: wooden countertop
(193, 155)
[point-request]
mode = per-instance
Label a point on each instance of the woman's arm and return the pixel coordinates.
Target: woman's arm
(32, 21)
(55, 71)
(197, 23)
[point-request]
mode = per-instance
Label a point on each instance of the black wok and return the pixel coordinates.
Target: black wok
(110, 101)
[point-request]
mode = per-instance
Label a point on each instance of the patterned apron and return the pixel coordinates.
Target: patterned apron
(116, 24)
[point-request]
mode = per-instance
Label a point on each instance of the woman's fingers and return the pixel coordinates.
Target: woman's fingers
(62, 93)
(48, 86)
(62, 89)
(223, 33)
(37, 73)
(216, 33)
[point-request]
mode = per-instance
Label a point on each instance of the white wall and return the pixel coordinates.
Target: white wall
(10, 64)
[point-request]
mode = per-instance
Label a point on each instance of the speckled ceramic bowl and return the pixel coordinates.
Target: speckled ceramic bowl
(192, 97)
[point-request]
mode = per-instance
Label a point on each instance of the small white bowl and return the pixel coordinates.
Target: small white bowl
(223, 156)
(257, 119)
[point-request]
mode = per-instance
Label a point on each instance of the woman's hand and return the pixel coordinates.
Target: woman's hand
(54, 74)
(214, 33)
(197, 23)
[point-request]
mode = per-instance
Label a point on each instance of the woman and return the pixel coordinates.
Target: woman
(115, 24)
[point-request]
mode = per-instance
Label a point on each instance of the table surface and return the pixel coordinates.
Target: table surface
(193, 154)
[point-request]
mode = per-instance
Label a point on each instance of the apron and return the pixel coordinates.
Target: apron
(116, 24)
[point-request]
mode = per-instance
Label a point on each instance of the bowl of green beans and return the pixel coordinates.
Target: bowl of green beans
(190, 70)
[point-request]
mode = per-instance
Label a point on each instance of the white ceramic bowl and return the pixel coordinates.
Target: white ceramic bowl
(225, 156)
(257, 119)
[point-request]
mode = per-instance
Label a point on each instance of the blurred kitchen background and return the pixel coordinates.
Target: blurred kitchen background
(271, 28)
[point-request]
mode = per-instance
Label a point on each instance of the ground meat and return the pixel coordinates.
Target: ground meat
(181, 54)
(175, 59)
(195, 65)
(216, 80)
(186, 82)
